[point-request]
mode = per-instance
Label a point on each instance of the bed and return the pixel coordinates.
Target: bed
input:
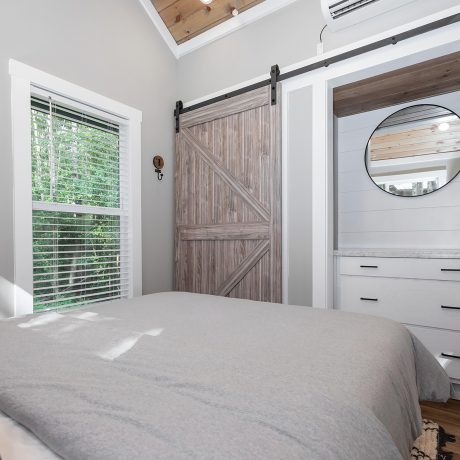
(180, 376)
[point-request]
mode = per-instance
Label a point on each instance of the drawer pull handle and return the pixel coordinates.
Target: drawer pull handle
(369, 266)
(450, 269)
(446, 307)
(449, 355)
(369, 299)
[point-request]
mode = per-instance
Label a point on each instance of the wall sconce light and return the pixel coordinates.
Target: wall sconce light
(159, 164)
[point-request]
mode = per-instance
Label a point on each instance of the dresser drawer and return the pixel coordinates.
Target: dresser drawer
(419, 302)
(434, 269)
(444, 345)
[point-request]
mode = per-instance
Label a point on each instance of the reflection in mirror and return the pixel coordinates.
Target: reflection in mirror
(415, 151)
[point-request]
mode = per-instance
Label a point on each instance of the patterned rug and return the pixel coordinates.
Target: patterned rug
(429, 446)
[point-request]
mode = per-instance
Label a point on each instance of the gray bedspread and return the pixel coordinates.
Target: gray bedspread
(182, 376)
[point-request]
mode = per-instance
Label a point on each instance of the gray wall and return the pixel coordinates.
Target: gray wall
(284, 37)
(111, 47)
(299, 191)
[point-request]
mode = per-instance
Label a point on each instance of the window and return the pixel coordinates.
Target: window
(77, 206)
(78, 214)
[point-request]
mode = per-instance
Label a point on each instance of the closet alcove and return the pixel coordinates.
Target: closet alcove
(399, 256)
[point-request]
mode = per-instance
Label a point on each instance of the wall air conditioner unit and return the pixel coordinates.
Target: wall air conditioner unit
(345, 13)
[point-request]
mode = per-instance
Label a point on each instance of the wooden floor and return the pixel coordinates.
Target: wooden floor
(448, 416)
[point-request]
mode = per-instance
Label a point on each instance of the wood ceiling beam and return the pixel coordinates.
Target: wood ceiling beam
(426, 79)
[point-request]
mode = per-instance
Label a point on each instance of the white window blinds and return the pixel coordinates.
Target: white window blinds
(81, 244)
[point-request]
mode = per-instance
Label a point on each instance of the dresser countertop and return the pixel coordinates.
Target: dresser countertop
(399, 253)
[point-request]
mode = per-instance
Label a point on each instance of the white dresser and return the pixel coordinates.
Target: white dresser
(420, 289)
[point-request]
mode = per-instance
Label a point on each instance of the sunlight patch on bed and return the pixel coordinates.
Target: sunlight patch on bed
(87, 315)
(42, 320)
(90, 316)
(154, 332)
(70, 328)
(120, 348)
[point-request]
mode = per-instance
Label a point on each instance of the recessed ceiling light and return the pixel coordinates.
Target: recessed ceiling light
(206, 2)
(444, 127)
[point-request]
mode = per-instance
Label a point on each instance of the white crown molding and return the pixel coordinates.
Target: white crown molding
(161, 26)
(247, 17)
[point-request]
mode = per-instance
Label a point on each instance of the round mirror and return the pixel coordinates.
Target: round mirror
(415, 151)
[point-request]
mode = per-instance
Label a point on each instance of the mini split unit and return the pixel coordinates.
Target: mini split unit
(345, 13)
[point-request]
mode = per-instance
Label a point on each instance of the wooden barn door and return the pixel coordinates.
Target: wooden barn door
(228, 199)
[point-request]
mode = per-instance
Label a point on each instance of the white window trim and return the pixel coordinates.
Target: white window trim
(23, 79)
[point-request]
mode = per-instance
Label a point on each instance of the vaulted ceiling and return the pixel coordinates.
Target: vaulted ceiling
(186, 19)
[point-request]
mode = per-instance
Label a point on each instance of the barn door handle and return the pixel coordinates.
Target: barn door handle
(446, 307)
(369, 299)
(450, 355)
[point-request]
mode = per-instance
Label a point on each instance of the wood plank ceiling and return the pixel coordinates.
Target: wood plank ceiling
(429, 78)
(186, 19)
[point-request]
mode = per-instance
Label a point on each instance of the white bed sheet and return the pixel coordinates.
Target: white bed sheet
(18, 443)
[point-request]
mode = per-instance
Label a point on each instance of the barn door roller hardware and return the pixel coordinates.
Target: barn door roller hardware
(274, 79)
(274, 76)
(393, 40)
(177, 112)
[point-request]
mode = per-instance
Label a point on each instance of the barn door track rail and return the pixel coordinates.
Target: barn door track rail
(273, 80)
(276, 76)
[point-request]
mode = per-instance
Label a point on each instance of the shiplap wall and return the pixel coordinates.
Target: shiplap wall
(368, 217)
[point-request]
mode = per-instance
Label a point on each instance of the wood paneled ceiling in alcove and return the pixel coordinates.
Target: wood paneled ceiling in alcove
(426, 79)
(186, 19)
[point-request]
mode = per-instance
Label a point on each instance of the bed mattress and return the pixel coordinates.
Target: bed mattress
(177, 375)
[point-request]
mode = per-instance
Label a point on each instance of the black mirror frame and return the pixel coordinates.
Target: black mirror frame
(367, 148)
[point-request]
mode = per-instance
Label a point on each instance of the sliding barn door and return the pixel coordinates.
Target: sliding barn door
(228, 199)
